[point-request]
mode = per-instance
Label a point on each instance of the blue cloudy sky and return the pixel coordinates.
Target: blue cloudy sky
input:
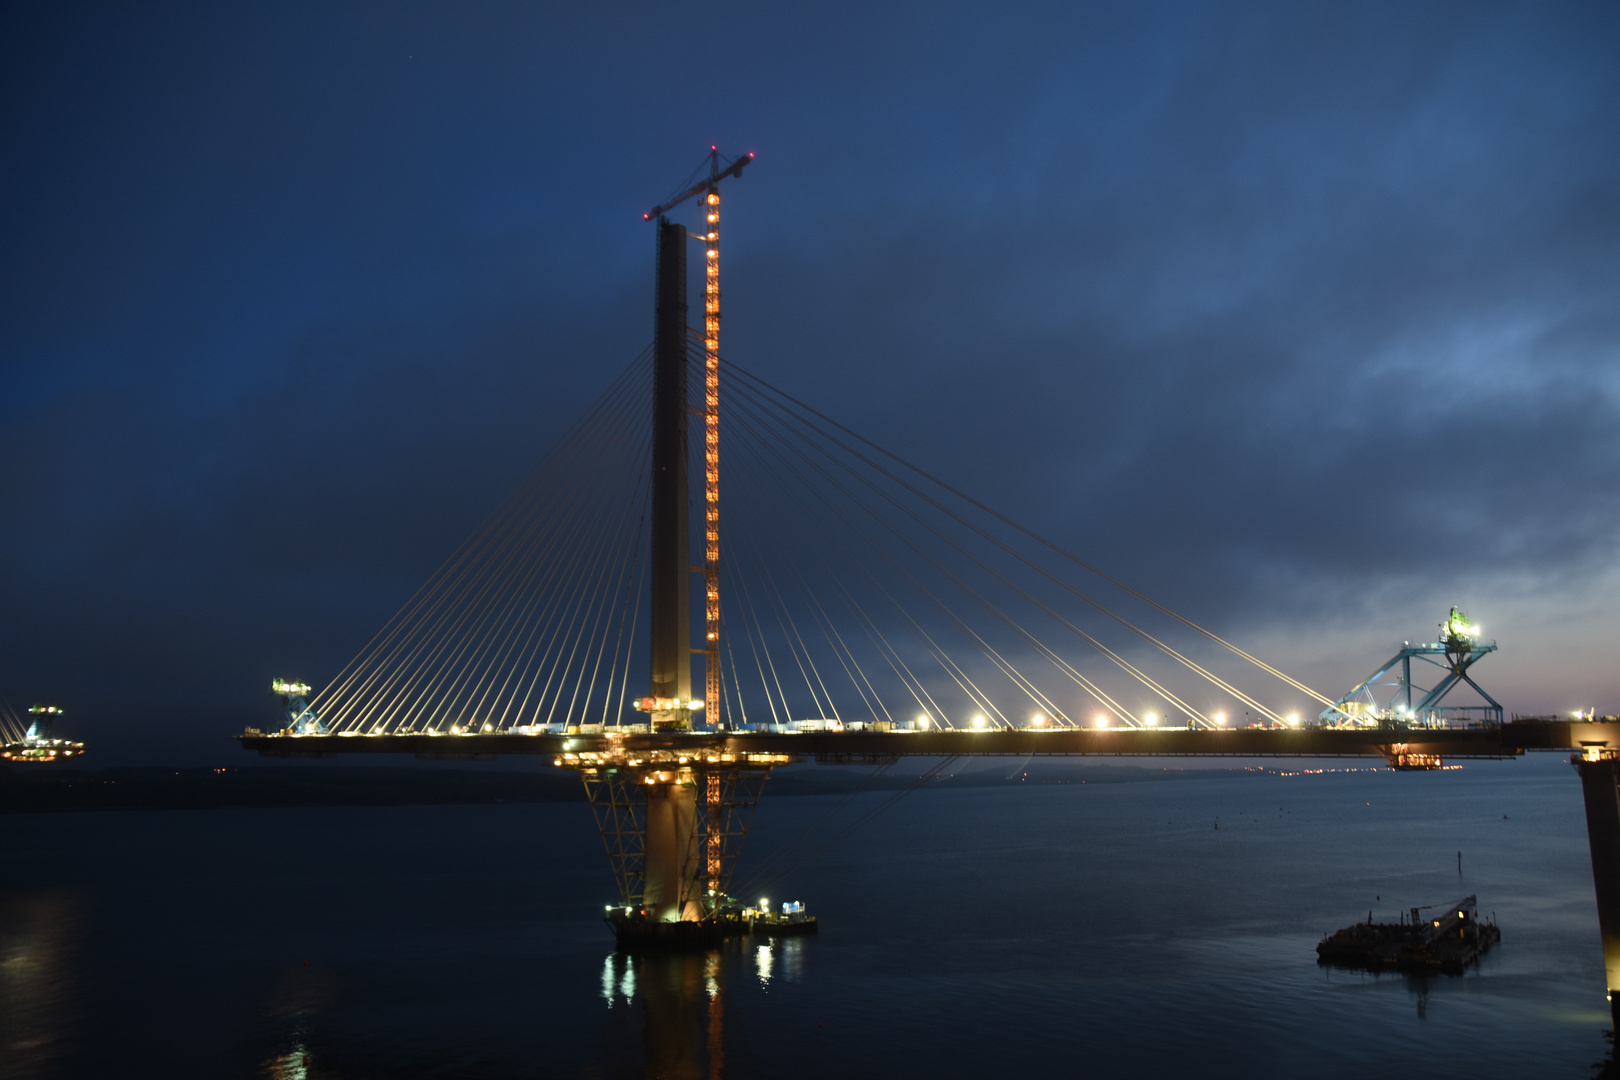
(1303, 317)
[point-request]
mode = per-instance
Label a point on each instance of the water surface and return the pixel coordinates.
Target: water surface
(1109, 929)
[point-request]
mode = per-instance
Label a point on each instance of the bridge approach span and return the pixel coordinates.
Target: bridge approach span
(1417, 744)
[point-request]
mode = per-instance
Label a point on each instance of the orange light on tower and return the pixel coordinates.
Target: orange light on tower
(716, 839)
(711, 454)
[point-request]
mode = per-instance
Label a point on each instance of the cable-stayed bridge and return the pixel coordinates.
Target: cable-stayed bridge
(31, 741)
(849, 606)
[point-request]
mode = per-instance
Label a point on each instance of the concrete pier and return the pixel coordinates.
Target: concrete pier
(1600, 784)
(670, 886)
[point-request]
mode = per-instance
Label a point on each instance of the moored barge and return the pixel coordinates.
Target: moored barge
(1444, 944)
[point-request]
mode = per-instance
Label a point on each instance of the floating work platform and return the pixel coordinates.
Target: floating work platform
(1445, 944)
(637, 933)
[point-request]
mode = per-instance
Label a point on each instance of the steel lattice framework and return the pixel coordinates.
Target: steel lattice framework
(730, 795)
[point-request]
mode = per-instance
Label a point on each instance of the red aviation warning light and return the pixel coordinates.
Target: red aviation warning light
(716, 174)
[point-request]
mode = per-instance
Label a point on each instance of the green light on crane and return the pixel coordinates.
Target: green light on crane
(1457, 626)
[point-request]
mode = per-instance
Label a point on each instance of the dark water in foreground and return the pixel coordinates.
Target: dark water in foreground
(1109, 930)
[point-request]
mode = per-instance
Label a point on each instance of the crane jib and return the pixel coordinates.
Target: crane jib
(734, 169)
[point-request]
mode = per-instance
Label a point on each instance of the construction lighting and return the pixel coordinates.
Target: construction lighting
(978, 721)
(711, 445)
(1220, 718)
(1293, 719)
(288, 687)
(922, 721)
(1102, 720)
(1458, 626)
(660, 704)
(1150, 719)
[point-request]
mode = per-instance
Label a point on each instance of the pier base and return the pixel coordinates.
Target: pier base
(673, 830)
(1600, 784)
(672, 883)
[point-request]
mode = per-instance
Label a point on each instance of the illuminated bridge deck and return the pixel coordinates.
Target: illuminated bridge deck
(1506, 741)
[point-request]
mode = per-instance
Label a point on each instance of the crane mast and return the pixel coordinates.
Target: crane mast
(709, 191)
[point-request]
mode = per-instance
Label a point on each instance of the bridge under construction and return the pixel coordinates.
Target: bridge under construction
(872, 612)
(33, 742)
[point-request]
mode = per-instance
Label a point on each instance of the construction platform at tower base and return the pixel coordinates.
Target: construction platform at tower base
(637, 933)
(1443, 945)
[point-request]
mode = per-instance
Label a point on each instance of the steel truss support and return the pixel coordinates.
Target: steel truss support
(619, 802)
(731, 796)
(673, 835)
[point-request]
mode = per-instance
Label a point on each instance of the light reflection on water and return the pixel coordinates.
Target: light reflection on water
(762, 963)
(966, 933)
(292, 1065)
(38, 979)
(683, 1000)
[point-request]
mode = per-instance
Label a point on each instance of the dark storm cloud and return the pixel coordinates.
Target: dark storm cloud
(1265, 306)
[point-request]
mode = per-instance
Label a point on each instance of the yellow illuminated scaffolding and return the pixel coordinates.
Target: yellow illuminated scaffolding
(711, 457)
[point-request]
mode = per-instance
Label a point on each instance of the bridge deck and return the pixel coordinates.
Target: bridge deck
(1508, 740)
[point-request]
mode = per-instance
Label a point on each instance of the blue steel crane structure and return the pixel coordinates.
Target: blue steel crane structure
(1406, 702)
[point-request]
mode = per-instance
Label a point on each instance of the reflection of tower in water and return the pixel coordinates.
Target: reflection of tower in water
(681, 1007)
(674, 999)
(716, 1044)
(679, 1003)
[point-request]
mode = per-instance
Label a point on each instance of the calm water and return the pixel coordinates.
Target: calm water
(1106, 929)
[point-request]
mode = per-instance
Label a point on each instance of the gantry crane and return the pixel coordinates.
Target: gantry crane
(709, 190)
(1407, 703)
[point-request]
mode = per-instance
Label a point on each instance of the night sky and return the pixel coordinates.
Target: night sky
(1303, 318)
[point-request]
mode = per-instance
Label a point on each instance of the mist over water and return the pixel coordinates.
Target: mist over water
(1032, 930)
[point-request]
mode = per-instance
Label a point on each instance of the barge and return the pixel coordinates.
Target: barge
(635, 932)
(1445, 944)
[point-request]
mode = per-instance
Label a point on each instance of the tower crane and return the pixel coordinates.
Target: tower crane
(710, 186)
(709, 190)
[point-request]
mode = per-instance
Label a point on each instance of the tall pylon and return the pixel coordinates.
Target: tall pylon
(672, 708)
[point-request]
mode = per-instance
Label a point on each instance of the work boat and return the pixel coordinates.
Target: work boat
(637, 932)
